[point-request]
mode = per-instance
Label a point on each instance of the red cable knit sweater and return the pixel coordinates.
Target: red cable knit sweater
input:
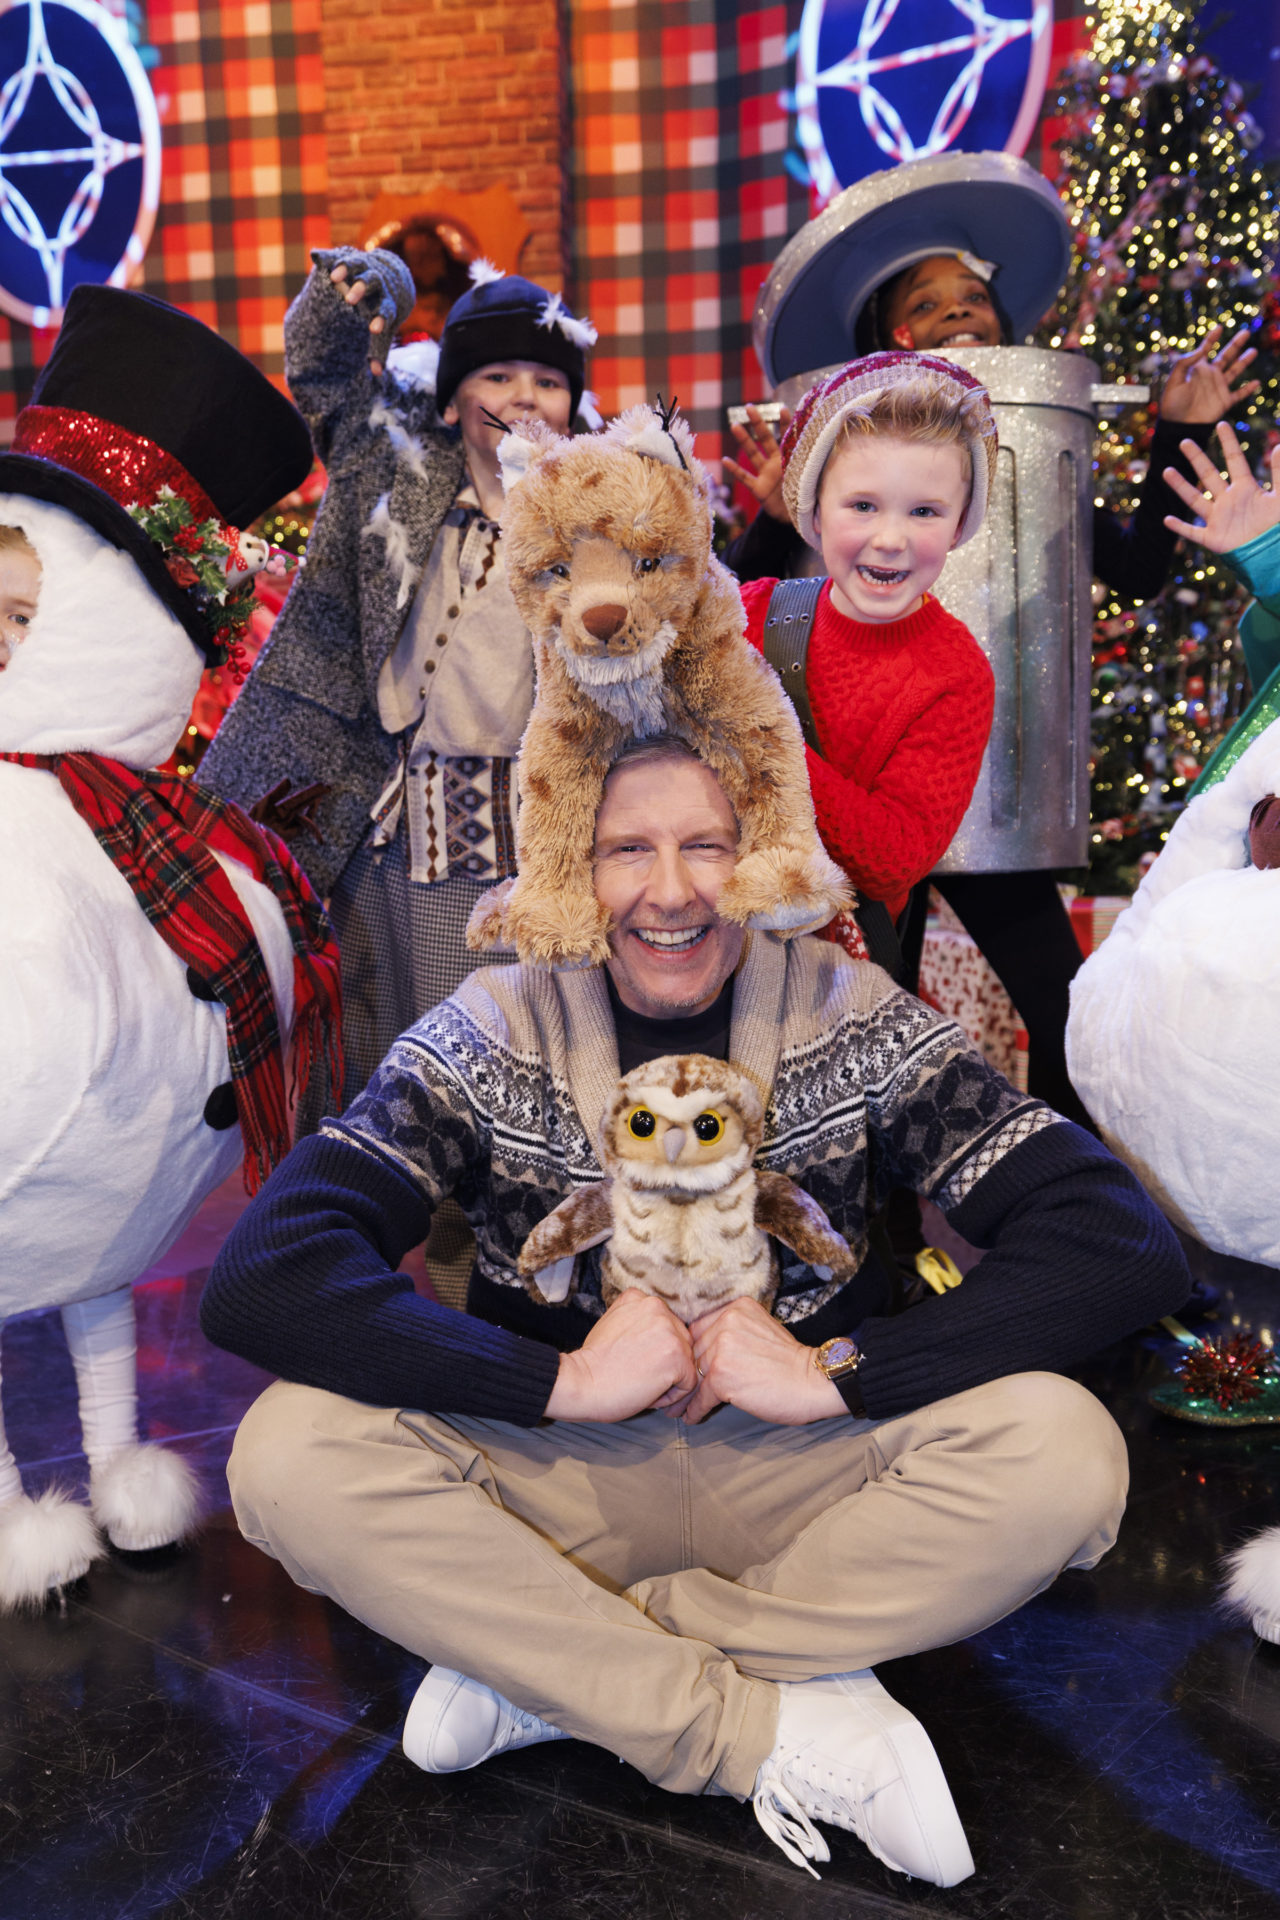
(902, 712)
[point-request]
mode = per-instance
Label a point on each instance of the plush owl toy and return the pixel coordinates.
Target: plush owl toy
(684, 1211)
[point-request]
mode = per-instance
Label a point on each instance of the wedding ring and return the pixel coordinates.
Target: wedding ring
(701, 1374)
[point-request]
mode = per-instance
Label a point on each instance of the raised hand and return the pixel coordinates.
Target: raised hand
(1203, 384)
(369, 288)
(1233, 508)
(761, 470)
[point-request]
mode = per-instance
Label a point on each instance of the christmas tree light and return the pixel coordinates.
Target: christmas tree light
(1176, 227)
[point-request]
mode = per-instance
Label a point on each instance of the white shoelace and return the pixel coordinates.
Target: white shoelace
(787, 1824)
(523, 1724)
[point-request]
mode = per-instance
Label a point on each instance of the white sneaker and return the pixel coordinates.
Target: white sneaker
(847, 1753)
(454, 1723)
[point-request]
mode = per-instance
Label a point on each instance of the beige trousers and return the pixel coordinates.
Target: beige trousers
(642, 1585)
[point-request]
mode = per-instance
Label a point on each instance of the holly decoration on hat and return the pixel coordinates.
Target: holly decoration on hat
(204, 557)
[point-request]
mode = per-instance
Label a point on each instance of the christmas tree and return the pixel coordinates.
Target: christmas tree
(1176, 227)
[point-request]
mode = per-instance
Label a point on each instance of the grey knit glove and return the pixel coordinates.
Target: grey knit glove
(389, 291)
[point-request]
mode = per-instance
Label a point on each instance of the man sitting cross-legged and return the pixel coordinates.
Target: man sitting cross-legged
(535, 1498)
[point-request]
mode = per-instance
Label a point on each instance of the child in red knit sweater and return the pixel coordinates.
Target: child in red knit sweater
(887, 466)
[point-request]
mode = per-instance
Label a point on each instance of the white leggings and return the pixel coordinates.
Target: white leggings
(102, 1338)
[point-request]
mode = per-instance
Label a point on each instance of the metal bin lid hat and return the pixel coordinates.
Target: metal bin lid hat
(991, 205)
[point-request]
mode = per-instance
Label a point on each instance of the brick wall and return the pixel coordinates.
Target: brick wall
(465, 92)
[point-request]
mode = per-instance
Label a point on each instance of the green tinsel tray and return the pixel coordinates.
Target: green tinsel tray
(1172, 1398)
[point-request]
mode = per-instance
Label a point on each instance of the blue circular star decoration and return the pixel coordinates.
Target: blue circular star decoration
(79, 155)
(881, 81)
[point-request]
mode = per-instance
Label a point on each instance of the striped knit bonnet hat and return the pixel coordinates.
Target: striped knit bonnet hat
(808, 441)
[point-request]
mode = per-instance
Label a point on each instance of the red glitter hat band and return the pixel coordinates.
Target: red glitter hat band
(210, 564)
(130, 469)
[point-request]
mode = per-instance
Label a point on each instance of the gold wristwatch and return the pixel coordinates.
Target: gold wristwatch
(839, 1357)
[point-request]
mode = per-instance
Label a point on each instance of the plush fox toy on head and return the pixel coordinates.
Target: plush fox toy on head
(638, 630)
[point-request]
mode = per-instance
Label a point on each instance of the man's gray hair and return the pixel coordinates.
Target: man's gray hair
(654, 746)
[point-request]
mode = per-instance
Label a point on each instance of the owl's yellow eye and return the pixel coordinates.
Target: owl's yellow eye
(708, 1127)
(641, 1123)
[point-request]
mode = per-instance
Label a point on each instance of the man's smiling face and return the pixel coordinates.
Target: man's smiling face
(666, 842)
(941, 303)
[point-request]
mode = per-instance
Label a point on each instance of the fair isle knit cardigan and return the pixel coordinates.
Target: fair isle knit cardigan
(309, 709)
(496, 1097)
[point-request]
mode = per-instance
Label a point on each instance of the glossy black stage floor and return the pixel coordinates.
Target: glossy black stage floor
(204, 1740)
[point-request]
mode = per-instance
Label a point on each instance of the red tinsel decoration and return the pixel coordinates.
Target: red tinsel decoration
(1231, 1371)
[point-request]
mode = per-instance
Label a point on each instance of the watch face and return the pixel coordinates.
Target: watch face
(835, 1352)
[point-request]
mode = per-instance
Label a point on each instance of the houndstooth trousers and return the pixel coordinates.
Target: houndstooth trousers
(404, 949)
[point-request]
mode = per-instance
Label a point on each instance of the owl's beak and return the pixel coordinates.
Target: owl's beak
(672, 1141)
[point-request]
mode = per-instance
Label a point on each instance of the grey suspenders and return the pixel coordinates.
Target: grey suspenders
(787, 626)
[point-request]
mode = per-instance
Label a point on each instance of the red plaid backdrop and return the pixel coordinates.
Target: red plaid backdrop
(681, 198)
(244, 192)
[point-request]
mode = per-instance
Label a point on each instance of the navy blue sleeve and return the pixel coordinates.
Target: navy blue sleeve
(768, 549)
(1077, 1256)
(305, 1286)
(1133, 556)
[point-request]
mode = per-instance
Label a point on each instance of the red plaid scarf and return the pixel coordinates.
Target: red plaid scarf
(161, 834)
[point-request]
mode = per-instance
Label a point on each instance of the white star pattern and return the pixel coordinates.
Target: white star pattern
(100, 153)
(864, 74)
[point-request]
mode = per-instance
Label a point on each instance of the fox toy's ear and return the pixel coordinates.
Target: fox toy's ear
(640, 430)
(515, 452)
(522, 445)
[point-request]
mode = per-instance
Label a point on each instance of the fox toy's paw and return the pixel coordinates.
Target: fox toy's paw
(568, 928)
(784, 890)
(487, 926)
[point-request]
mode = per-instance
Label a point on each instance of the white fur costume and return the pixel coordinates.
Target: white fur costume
(106, 1056)
(1174, 1045)
(1174, 1040)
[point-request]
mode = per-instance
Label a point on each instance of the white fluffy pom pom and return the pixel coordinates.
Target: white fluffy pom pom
(45, 1543)
(483, 272)
(556, 314)
(1253, 1584)
(418, 362)
(514, 454)
(145, 1497)
(640, 430)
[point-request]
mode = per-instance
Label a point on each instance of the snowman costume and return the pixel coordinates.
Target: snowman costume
(121, 1110)
(1173, 1041)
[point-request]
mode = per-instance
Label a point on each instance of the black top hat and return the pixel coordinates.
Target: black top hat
(138, 396)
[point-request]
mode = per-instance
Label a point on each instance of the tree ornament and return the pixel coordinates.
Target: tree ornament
(1230, 1371)
(1227, 1382)
(1176, 227)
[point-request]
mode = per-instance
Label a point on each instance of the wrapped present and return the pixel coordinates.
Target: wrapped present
(956, 979)
(1093, 915)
